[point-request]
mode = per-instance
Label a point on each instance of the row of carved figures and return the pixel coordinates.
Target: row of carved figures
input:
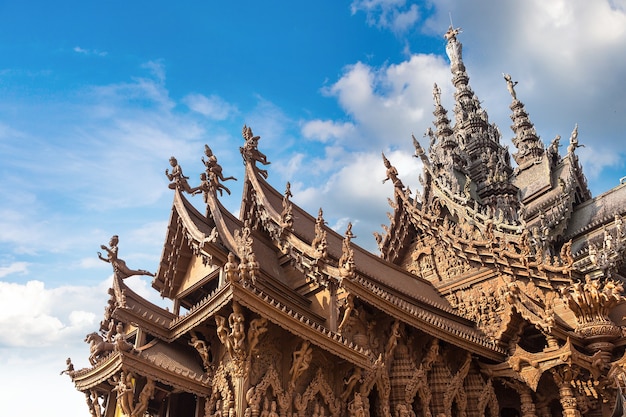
(213, 178)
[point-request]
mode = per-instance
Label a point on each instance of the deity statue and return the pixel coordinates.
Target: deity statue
(510, 85)
(202, 348)
(236, 323)
(178, 180)
(346, 313)
(454, 49)
(573, 140)
(392, 174)
(250, 150)
(253, 268)
(119, 266)
(553, 149)
(209, 183)
(222, 331)
(212, 166)
(437, 94)
(258, 326)
(231, 270)
(301, 361)
(69, 369)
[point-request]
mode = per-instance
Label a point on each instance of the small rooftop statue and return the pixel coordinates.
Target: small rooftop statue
(178, 180)
(437, 94)
(454, 49)
(213, 177)
(250, 150)
(391, 174)
(119, 266)
(573, 140)
(510, 85)
(69, 369)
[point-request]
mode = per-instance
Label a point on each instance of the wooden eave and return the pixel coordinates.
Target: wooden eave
(146, 315)
(142, 364)
(106, 368)
(299, 325)
(302, 324)
(452, 329)
(202, 311)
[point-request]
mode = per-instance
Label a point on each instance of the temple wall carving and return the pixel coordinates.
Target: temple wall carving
(414, 375)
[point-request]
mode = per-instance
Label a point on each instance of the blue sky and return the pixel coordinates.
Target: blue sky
(96, 96)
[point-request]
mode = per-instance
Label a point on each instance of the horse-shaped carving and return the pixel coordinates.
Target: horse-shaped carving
(97, 346)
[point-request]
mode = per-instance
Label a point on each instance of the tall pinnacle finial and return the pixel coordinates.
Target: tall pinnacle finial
(530, 149)
(454, 48)
(510, 85)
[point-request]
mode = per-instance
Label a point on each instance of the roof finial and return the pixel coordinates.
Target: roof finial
(510, 85)
(573, 140)
(454, 47)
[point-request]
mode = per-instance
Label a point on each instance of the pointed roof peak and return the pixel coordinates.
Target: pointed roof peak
(529, 146)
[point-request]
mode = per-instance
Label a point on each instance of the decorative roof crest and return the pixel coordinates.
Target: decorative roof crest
(250, 150)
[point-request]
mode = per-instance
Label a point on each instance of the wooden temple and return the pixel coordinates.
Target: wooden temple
(498, 291)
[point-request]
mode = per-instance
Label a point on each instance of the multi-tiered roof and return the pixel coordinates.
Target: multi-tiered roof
(492, 279)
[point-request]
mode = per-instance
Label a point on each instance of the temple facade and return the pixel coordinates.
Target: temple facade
(498, 291)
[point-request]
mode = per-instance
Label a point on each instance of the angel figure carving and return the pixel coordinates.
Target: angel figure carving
(120, 269)
(250, 150)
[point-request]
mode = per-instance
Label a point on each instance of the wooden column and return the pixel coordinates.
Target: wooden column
(563, 377)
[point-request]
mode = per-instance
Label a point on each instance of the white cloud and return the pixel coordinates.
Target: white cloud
(394, 15)
(14, 268)
(325, 130)
(37, 371)
(355, 192)
(33, 316)
(157, 69)
(84, 51)
(213, 106)
(388, 103)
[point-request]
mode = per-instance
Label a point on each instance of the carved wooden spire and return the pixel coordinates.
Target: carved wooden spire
(529, 146)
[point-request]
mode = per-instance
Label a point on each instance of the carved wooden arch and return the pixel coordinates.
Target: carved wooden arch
(418, 385)
(488, 399)
(456, 391)
(460, 397)
(321, 386)
(221, 390)
(257, 393)
(377, 376)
